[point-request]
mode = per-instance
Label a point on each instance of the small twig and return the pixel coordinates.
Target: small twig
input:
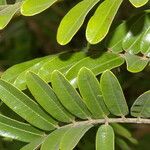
(112, 120)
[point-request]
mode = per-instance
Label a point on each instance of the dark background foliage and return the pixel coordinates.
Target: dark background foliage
(26, 38)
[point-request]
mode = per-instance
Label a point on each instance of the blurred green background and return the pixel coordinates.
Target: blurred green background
(26, 38)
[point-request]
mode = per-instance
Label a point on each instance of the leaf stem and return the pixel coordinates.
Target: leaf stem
(111, 120)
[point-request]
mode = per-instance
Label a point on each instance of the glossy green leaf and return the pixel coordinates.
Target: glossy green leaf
(135, 63)
(132, 40)
(73, 136)
(17, 130)
(141, 107)
(20, 81)
(53, 139)
(145, 43)
(99, 24)
(97, 63)
(13, 72)
(7, 13)
(73, 20)
(90, 91)
(45, 96)
(113, 94)
(68, 96)
(115, 38)
(25, 107)
(138, 3)
(62, 63)
(33, 7)
(105, 138)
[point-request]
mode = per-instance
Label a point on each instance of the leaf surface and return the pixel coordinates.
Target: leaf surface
(90, 91)
(97, 63)
(20, 81)
(73, 136)
(113, 94)
(68, 96)
(115, 38)
(135, 63)
(62, 63)
(33, 7)
(34, 145)
(46, 97)
(145, 43)
(17, 130)
(7, 13)
(105, 138)
(141, 107)
(13, 72)
(132, 40)
(25, 107)
(138, 3)
(73, 20)
(99, 24)
(53, 140)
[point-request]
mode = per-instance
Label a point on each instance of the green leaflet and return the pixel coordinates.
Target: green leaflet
(122, 144)
(90, 91)
(74, 19)
(97, 63)
(135, 63)
(132, 40)
(7, 13)
(13, 72)
(113, 94)
(99, 24)
(145, 43)
(62, 63)
(138, 3)
(73, 136)
(68, 96)
(17, 130)
(53, 139)
(25, 107)
(34, 145)
(105, 138)
(141, 107)
(115, 38)
(20, 81)
(33, 7)
(122, 131)
(45, 96)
